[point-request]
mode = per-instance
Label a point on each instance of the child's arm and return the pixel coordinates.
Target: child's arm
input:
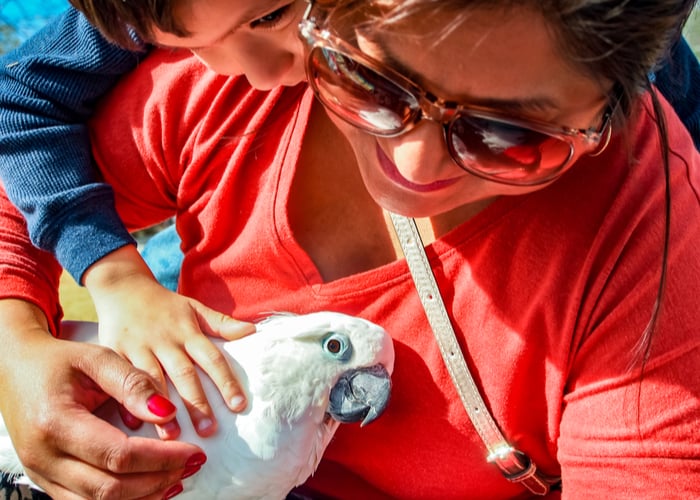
(48, 89)
(161, 332)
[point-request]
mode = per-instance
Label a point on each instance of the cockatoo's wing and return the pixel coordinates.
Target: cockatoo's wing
(303, 375)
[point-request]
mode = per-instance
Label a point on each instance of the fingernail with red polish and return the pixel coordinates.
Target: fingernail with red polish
(160, 406)
(189, 471)
(129, 420)
(175, 490)
(196, 460)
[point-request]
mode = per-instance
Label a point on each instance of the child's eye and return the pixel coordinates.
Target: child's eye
(272, 19)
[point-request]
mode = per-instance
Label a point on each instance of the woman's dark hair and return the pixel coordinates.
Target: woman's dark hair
(619, 41)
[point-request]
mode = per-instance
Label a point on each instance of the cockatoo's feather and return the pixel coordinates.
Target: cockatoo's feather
(302, 375)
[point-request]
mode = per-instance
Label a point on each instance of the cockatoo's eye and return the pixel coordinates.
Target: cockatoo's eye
(337, 346)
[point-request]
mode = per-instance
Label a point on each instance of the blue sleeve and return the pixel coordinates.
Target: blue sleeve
(49, 87)
(679, 81)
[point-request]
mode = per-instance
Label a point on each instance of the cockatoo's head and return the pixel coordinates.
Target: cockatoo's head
(342, 362)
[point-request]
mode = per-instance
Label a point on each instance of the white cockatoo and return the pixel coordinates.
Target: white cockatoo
(303, 375)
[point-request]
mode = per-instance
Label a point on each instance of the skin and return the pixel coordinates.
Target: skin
(65, 449)
(255, 39)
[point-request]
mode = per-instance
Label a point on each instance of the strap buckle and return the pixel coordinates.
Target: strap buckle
(519, 468)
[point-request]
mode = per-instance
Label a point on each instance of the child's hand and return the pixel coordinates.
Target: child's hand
(161, 332)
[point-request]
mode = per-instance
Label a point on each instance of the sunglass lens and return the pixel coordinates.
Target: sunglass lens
(506, 152)
(358, 94)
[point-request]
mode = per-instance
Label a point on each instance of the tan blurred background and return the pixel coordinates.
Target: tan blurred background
(76, 300)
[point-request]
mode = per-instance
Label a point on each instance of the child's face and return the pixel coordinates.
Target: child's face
(505, 60)
(257, 38)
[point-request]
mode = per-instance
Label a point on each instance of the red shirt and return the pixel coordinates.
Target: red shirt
(549, 292)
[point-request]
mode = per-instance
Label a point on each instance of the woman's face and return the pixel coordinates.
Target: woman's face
(255, 38)
(503, 59)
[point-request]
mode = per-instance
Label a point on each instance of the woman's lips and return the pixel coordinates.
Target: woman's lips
(393, 173)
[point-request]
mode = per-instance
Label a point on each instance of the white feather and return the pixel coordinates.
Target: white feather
(278, 441)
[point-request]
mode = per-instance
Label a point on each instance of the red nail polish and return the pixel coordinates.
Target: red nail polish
(175, 490)
(189, 471)
(196, 460)
(129, 420)
(160, 406)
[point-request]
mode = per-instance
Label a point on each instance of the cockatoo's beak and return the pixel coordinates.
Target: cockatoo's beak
(361, 394)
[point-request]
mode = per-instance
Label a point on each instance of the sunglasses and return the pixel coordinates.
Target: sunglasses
(377, 99)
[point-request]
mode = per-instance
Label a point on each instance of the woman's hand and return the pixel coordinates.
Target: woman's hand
(163, 333)
(50, 388)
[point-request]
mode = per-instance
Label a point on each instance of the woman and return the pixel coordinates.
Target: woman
(547, 242)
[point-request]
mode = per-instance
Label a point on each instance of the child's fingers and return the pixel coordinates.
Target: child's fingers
(216, 324)
(146, 361)
(185, 378)
(129, 420)
(214, 363)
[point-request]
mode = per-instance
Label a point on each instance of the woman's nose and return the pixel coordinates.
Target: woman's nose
(421, 155)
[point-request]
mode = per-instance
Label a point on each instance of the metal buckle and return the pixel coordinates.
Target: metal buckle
(526, 472)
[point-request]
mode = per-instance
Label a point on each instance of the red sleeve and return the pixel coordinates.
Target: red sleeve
(626, 429)
(25, 271)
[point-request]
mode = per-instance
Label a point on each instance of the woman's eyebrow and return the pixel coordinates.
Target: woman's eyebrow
(523, 105)
(529, 104)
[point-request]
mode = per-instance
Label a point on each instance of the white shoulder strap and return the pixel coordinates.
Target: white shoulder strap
(515, 465)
